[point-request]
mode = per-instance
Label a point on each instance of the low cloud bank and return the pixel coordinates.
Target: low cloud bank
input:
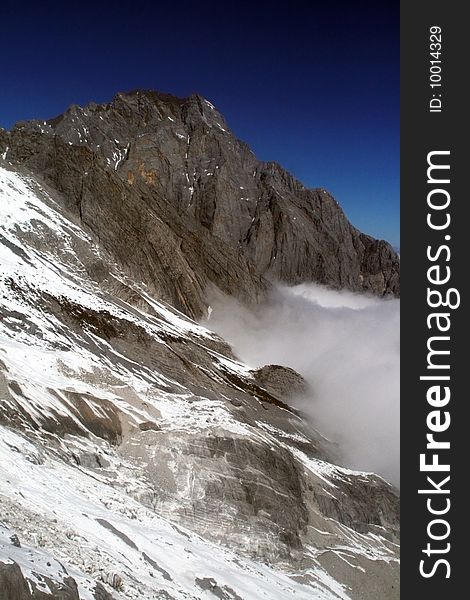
(347, 347)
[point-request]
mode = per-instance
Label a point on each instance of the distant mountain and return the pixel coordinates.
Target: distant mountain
(181, 203)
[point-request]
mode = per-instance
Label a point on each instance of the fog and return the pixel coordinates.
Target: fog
(346, 346)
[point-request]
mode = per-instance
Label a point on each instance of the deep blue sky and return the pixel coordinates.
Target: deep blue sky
(312, 85)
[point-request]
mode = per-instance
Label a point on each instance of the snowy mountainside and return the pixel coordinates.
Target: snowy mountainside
(141, 459)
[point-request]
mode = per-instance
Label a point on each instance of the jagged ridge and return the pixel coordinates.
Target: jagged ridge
(182, 204)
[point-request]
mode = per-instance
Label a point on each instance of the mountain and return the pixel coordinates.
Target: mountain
(181, 203)
(140, 458)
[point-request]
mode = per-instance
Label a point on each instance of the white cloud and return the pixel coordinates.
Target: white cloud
(347, 346)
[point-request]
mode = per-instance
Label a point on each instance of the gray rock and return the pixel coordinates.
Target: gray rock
(92, 460)
(157, 567)
(117, 533)
(13, 585)
(100, 593)
(182, 204)
(65, 590)
(283, 382)
(222, 592)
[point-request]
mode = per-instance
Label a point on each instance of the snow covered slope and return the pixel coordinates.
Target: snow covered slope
(140, 459)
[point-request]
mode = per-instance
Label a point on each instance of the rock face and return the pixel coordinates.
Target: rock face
(13, 585)
(281, 381)
(182, 205)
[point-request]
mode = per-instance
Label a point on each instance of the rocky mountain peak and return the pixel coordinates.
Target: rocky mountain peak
(199, 209)
(141, 458)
